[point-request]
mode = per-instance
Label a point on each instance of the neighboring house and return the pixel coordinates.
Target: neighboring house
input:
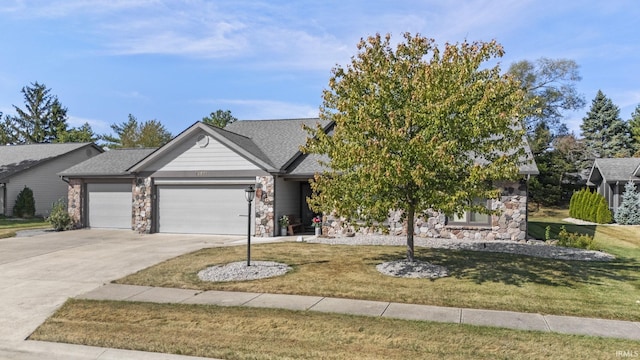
(103, 187)
(196, 184)
(36, 166)
(609, 177)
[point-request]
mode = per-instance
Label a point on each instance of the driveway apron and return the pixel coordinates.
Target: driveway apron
(37, 274)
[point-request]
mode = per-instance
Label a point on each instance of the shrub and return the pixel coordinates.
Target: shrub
(576, 240)
(59, 218)
(590, 206)
(603, 214)
(25, 206)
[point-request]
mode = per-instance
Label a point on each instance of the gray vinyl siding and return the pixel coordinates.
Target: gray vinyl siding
(287, 198)
(191, 156)
(43, 180)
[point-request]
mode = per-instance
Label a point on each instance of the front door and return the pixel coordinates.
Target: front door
(306, 215)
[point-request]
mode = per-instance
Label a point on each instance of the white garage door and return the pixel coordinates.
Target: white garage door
(109, 205)
(210, 209)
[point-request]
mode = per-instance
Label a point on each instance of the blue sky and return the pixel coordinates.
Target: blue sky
(178, 60)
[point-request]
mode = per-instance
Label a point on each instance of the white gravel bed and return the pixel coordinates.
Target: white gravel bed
(541, 250)
(239, 271)
(417, 269)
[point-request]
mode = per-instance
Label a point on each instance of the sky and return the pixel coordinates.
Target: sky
(176, 61)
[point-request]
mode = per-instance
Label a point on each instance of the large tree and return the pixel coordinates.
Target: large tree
(605, 134)
(132, 134)
(416, 128)
(42, 119)
(551, 87)
(219, 118)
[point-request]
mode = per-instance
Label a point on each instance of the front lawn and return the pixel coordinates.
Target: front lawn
(477, 279)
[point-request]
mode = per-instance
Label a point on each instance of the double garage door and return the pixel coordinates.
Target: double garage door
(193, 209)
(202, 209)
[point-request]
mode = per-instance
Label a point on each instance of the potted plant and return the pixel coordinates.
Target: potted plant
(317, 224)
(284, 223)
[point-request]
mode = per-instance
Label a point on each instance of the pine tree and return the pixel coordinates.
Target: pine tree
(42, 119)
(605, 133)
(634, 127)
(25, 206)
(628, 212)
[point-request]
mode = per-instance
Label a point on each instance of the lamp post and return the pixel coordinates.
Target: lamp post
(249, 193)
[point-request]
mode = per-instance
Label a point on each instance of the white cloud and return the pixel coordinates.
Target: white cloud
(98, 126)
(266, 109)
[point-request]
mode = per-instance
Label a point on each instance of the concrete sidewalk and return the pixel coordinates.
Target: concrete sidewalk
(504, 319)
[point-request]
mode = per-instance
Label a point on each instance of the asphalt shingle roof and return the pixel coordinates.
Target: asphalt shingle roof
(617, 169)
(17, 158)
(244, 143)
(280, 140)
(111, 162)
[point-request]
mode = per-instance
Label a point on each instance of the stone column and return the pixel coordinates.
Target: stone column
(142, 193)
(263, 205)
(74, 202)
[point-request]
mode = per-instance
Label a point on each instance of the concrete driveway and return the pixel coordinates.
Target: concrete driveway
(37, 274)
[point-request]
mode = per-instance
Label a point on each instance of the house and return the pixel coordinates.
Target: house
(36, 166)
(196, 184)
(609, 177)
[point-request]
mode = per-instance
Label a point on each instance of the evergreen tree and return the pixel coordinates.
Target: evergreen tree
(628, 212)
(606, 134)
(42, 120)
(634, 128)
(25, 206)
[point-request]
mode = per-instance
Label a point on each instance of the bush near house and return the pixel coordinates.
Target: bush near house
(59, 217)
(590, 206)
(25, 206)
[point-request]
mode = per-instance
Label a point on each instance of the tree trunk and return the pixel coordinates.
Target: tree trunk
(410, 220)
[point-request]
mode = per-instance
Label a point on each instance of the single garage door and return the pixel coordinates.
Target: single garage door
(109, 205)
(202, 209)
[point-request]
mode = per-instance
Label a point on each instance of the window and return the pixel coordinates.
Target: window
(472, 218)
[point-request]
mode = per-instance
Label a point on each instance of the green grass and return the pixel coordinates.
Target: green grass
(9, 226)
(478, 280)
(258, 333)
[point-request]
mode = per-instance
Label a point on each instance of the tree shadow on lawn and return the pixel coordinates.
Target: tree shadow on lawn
(481, 267)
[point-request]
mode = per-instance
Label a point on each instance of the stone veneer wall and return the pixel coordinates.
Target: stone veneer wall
(509, 224)
(263, 206)
(74, 202)
(142, 193)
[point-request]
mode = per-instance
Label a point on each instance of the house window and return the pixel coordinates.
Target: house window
(472, 218)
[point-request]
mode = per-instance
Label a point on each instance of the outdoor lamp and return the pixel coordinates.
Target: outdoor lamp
(249, 193)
